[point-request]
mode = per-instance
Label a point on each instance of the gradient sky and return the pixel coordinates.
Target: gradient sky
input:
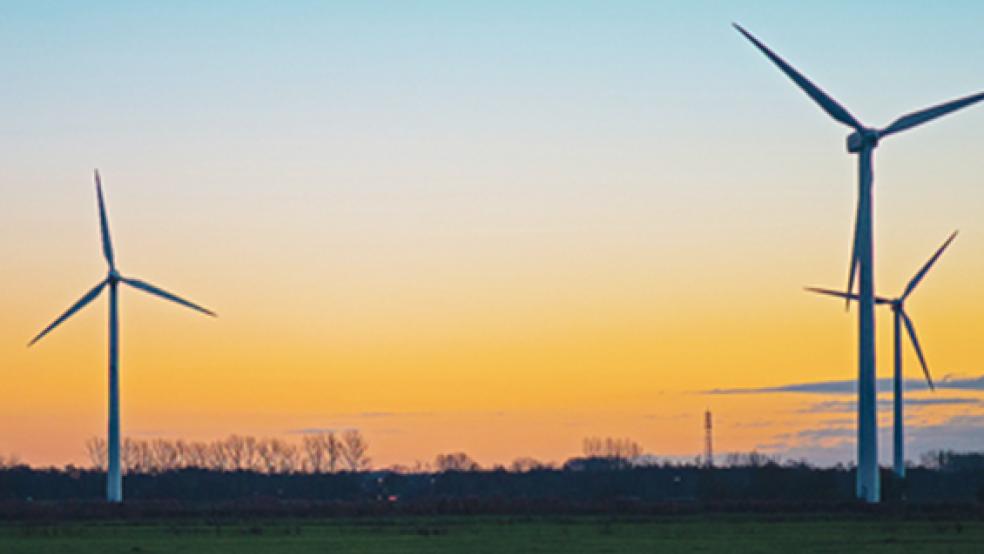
(490, 227)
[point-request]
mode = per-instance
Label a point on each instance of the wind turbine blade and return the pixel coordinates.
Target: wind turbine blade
(918, 118)
(89, 297)
(915, 344)
(925, 269)
(847, 296)
(104, 225)
(827, 103)
(147, 287)
(855, 260)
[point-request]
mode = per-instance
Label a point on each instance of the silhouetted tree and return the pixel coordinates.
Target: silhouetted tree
(334, 447)
(948, 460)
(286, 456)
(524, 464)
(9, 461)
(620, 449)
(165, 455)
(750, 459)
(456, 461)
(321, 452)
(354, 450)
(95, 448)
(315, 454)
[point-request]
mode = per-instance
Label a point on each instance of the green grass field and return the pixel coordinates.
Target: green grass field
(709, 534)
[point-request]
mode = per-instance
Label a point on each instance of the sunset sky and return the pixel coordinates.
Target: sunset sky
(495, 228)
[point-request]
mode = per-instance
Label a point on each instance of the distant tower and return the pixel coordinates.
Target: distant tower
(708, 441)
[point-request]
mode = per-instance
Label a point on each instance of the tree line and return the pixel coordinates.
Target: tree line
(331, 452)
(325, 452)
(334, 468)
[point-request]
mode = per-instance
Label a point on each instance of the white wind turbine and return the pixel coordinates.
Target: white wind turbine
(863, 142)
(901, 318)
(114, 485)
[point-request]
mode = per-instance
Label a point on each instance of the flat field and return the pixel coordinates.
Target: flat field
(578, 534)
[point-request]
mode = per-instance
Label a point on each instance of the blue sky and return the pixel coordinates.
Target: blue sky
(390, 191)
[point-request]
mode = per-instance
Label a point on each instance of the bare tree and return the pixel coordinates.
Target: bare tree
(241, 453)
(196, 455)
(617, 449)
(183, 451)
(128, 455)
(317, 452)
(354, 450)
(334, 449)
(251, 458)
(165, 454)
(266, 456)
(456, 461)
(10, 461)
(270, 455)
(143, 458)
(95, 448)
(750, 459)
(236, 452)
(216, 457)
(286, 456)
(524, 464)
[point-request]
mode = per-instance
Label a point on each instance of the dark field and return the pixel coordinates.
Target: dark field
(406, 535)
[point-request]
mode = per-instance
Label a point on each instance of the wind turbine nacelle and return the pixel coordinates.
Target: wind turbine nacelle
(856, 141)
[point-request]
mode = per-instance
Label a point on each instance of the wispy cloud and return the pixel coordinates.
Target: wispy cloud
(973, 383)
(849, 386)
(318, 430)
(755, 424)
(380, 415)
(847, 406)
(820, 434)
(830, 444)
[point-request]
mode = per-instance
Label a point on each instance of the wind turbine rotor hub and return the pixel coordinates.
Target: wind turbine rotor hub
(114, 276)
(865, 138)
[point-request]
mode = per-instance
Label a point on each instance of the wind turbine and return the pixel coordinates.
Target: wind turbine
(863, 142)
(901, 318)
(114, 485)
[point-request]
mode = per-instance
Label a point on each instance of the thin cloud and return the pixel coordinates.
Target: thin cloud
(318, 430)
(829, 445)
(823, 434)
(849, 386)
(756, 424)
(972, 383)
(845, 406)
